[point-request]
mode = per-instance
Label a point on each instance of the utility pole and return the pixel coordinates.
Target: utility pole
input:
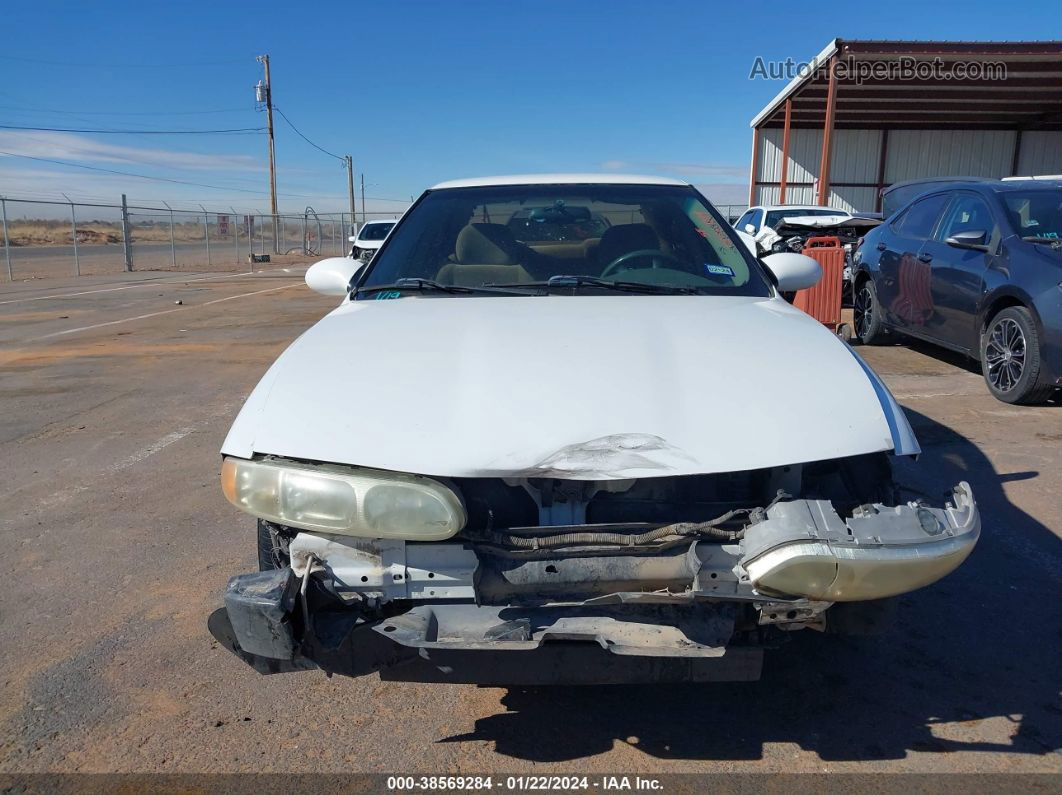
(363, 216)
(267, 91)
(350, 192)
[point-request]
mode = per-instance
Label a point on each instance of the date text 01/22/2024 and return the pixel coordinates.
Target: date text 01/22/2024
(520, 783)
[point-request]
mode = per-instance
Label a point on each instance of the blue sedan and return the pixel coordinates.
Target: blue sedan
(975, 267)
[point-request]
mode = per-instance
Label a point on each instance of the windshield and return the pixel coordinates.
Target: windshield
(662, 236)
(375, 231)
(775, 216)
(1035, 213)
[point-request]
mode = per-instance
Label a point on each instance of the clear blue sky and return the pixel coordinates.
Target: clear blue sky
(418, 91)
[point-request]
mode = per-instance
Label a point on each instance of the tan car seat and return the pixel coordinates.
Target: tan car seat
(484, 254)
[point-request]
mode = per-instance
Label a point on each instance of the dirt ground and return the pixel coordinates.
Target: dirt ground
(117, 543)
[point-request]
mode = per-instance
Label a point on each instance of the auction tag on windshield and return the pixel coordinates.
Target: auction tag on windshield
(719, 270)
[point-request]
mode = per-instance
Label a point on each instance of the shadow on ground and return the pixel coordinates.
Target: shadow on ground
(971, 664)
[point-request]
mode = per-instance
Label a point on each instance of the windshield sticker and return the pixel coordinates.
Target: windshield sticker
(704, 217)
(388, 294)
(719, 270)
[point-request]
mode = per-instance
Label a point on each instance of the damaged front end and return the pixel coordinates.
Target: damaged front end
(561, 581)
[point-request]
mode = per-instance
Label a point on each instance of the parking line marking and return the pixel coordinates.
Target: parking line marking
(151, 449)
(162, 312)
(141, 284)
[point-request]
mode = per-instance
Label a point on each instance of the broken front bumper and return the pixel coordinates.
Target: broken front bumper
(263, 624)
(461, 612)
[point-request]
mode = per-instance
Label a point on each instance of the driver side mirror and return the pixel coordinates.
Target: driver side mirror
(332, 276)
(976, 239)
(750, 229)
(793, 271)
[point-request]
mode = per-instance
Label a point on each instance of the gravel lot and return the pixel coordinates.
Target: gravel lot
(117, 543)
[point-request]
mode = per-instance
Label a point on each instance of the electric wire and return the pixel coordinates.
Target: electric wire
(134, 132)
(303, 137)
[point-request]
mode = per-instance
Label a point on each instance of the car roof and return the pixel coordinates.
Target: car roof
(558, 179)
(379, 221)
(773, 207)
(931, 180)
(982, 185)
(1003, 186)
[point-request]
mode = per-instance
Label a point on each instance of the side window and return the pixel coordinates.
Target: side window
(744, 219)
(756, 218)
(921, 217)
(967, 213)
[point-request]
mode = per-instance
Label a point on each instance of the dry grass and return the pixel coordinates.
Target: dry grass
(58, 233)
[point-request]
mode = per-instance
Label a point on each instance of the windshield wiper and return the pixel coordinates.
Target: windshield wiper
(574, 281)
(1053, 242)
(430, 285)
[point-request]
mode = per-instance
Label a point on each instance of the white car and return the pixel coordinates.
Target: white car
(755, 219)
(369, 239)
(577, 460)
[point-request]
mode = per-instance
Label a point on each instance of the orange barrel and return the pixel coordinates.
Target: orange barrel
(823, 301)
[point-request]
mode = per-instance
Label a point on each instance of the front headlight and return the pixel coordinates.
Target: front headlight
(329, 498)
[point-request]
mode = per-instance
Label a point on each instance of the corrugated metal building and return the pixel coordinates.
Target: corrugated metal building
(977, 109)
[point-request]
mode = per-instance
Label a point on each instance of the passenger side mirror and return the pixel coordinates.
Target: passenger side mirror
(793, 272)
(750, 229)
(352, 239)
(332, 276)
(975, 239)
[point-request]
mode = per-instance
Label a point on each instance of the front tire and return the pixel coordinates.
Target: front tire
(272, 547)
(1010, 358)
(867, 314)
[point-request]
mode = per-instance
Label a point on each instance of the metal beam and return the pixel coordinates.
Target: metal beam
(827, 136)
(785, 149)
(883, 154)
(755, 165)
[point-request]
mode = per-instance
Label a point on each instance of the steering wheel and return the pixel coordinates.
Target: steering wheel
(656, 254)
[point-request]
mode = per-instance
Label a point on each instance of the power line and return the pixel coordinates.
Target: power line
(131, 174)
(303, 137)
(122, 112)
(177, 65)
(178, 181)
(134, 132)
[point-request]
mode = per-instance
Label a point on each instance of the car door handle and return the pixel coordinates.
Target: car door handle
(882, 247)
(925, 257)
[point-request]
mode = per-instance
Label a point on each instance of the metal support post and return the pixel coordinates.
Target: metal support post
(236, 233)
(127, 239)
(7, 243)
(173, 245)
(206, 232)
(73, 233)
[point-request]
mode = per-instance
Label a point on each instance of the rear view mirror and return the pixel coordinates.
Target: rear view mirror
(793, 271)
(332, 276)
(976, 239)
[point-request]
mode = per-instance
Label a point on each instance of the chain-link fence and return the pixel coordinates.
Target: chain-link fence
(49, 239)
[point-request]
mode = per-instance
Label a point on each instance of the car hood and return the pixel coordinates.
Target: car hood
(578, 387)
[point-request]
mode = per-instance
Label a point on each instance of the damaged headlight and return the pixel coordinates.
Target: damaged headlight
(343, 500)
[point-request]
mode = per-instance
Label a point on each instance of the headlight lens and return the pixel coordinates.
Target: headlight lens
(330, 498)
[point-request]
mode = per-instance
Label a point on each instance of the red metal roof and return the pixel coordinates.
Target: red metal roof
(1019, 86)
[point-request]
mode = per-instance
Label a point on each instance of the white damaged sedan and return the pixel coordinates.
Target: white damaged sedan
(565, 429)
